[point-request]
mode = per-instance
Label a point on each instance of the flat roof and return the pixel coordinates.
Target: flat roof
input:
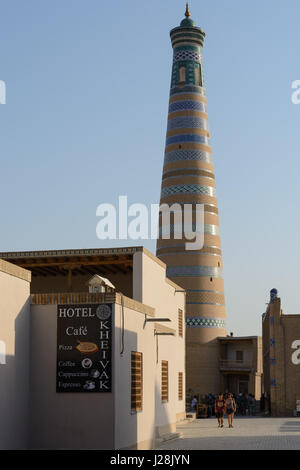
(79, 261)
(236, 338)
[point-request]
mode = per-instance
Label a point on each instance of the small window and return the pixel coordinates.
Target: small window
(180, 323)
(182, 75)
(197, 76)
(239, 356)
(211, 279)
(180, 385)
(164, 381)
(136, 381)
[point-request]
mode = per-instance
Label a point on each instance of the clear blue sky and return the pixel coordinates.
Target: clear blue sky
(85, 119)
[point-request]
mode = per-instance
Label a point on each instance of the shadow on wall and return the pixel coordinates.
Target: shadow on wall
(14, 384)
(138, 429)
(126, 433)
(8, 426)
(163, 418)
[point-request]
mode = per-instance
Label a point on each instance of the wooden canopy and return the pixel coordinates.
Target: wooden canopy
(78, 262)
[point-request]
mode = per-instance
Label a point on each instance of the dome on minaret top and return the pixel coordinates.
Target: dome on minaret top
(187, 22)
(187, 33)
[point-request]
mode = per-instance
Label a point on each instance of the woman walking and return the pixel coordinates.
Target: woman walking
(230, 408)
(219, 410)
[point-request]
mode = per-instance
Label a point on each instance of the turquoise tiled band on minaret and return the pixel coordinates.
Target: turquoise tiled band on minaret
(204, 322)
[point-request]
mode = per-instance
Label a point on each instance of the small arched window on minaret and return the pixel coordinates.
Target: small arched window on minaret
(197, 76)
(182, 75)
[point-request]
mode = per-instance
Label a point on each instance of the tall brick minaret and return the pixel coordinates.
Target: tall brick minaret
(188, 177)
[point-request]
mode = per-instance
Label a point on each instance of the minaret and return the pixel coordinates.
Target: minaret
(188, 178)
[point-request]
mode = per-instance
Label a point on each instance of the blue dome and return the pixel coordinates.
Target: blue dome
(187, 23)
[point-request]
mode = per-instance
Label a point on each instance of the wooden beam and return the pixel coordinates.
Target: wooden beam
(68, 263)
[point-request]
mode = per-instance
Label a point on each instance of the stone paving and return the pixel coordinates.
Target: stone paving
(248, 433)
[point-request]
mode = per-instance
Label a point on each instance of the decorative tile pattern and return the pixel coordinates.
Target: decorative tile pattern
(273, 383)
(187, 48)
(205, 322)
(179, 155)
(272, 342)
(88, 252)
(194, 171)
(187, 105)
(205, 303)
(187, 175)
(187, 55)
(187, 89)
(187, 122)
(205, 250)
(194, 271)
(183, 35)
(178, 228)
(199, 139)
(272, 361)
(190, 67)
(188, 188)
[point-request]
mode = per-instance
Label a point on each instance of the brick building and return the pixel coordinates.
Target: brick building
(241, 364)
(281, 358)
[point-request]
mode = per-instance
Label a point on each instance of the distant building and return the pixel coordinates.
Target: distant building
(240, 365)
(281, 358)
(90, 370)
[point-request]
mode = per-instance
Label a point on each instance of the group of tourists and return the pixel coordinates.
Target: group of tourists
(230, 404)
(225, 404)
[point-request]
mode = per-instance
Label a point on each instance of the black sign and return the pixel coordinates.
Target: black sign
(84, 348)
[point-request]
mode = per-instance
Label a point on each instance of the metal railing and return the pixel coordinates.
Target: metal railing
(234, 364)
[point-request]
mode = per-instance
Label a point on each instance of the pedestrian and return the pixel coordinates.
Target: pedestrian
(251, 404)
(262, 403)
(210, 405)
(230, 408)
(239, 401)
(219, 409)
(245, 404)
(194, 403)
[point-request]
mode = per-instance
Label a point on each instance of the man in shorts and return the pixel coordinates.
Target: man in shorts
(220, 409)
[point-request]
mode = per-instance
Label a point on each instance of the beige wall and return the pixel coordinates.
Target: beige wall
(204, 364)
(14, 376)
(152, 288)
(134, 427)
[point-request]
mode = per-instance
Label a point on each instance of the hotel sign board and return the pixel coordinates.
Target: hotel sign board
(84, 348)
